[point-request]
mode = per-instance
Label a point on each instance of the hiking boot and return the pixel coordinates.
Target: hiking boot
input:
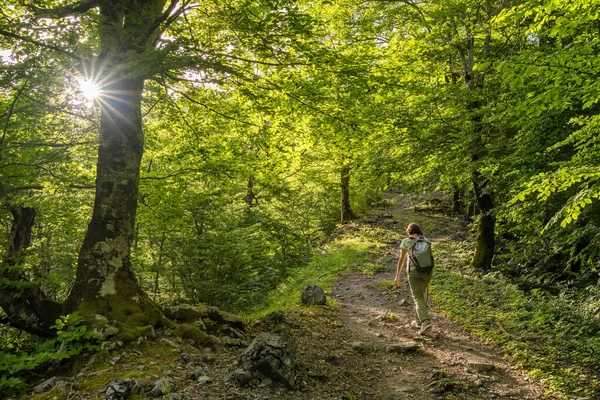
(425, 327)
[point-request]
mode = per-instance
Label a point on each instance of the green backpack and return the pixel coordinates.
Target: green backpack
(420, 255)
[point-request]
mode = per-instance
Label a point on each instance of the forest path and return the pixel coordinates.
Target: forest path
(348, 347)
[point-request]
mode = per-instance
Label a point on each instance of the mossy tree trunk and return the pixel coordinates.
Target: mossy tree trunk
(105, 283)
(345, 208)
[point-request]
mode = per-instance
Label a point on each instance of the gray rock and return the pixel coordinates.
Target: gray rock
(241, 377)
(274, 357)
(198, 372)
(402, 348)
(120, 390)
(47, 385)
(141, 367)
(115, 360)
(159, 388)
(204, 380)
(313, 294)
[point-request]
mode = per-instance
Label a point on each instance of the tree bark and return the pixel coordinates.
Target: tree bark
(486, 236)
(105, 283)
(25, 305)
(346, 210)
(457, 200)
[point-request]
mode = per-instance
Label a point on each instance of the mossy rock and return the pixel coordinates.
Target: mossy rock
(187, 313)
(200, 337)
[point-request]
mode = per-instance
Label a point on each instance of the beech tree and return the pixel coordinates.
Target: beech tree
(117, 45)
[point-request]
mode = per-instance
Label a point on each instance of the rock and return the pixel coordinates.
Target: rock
(272, 356)
(224, 317)
(481, 367)
(120, 390)
(159, 388)
(107, 331)
(241, 377)
(313, 294)
(403, 302)
(274, 318)
(47, 385)
(402, 348)
(115, 360)
(361, 347)
(198, 372)
(149, 332)
(204, 380)
(185, 313)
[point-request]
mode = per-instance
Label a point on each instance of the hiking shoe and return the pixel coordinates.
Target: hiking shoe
(425, 327)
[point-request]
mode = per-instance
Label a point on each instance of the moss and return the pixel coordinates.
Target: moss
(128, 305)
(190, 331)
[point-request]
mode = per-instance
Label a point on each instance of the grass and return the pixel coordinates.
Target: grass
(553, 339)
(352, 250)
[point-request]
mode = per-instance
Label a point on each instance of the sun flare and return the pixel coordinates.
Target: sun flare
(89, 89)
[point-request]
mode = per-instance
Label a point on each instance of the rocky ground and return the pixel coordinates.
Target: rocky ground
(362, 345)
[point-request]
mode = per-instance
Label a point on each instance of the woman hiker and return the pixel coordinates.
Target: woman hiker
(418, 281)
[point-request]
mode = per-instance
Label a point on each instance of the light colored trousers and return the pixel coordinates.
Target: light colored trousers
(418, 285)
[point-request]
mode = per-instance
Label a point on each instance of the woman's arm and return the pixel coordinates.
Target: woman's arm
(399, 267)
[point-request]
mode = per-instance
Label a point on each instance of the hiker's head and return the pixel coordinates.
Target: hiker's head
(414, 229)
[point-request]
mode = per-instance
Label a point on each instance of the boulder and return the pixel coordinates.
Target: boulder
(273, 357)
(313, 294)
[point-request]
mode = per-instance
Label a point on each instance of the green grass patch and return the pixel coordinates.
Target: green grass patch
(553, 338)
(351, 250)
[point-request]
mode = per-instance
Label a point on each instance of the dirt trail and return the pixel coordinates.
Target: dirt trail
(351, 350)
(353, 360)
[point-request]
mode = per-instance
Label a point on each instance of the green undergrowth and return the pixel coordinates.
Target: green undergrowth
(555, 339)
(17, 365)
(353, 248)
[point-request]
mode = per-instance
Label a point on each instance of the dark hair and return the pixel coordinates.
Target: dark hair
(414, 228)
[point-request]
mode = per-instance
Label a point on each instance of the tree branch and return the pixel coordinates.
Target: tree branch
(41, 44)
(64, 11)
(11, 110)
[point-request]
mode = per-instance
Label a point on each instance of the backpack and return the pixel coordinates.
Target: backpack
(420, 255)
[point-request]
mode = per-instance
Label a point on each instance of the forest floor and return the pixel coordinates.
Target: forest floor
(345, 350)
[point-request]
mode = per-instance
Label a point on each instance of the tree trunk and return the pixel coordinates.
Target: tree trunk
(457, 205)
(486, 240)
(25, 305)
(346, 210)
(105, 283)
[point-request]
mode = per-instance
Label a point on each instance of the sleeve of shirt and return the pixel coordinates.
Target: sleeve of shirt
(406, 244)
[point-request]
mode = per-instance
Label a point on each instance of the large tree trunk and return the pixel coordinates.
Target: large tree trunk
(346, 210)
(25, 305)
(105, 283)
(486, 237)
